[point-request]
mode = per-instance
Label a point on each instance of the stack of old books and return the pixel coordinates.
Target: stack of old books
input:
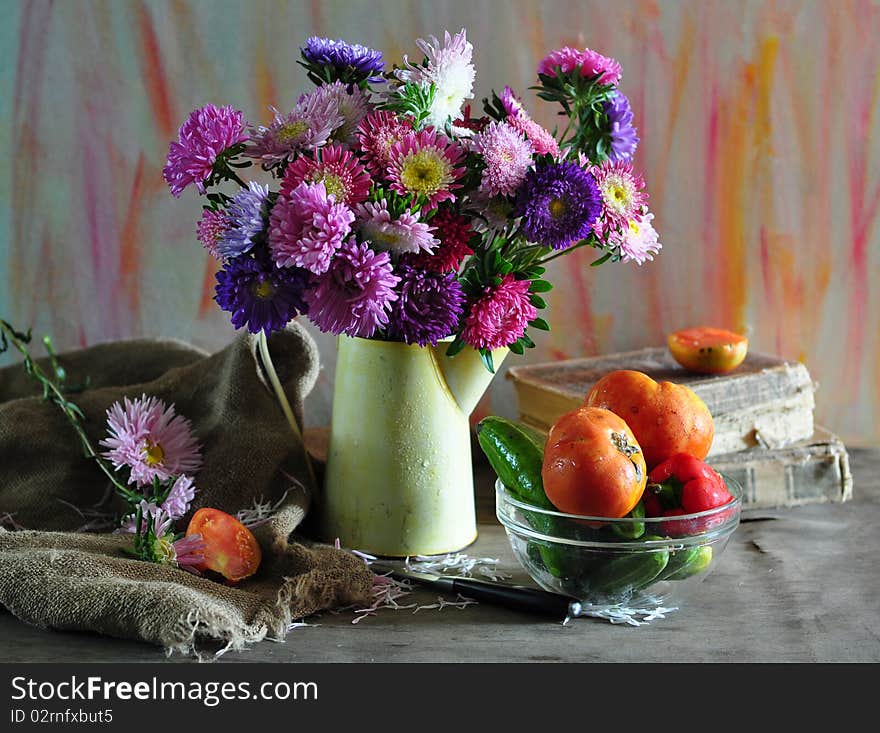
(765, 436)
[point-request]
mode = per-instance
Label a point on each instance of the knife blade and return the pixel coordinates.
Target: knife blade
(516, 597)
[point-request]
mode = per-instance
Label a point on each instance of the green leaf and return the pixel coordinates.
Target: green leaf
(537, 301)
(540, 286)
(456, 346)
(529, 344)
(604, 258)
(540, 324)
(488, 362)
(517, 348)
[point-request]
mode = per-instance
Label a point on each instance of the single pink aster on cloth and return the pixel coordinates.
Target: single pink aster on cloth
(404, 234)
(501, 315)
(211, 228)
(425, 164)
(542, 141)
(202, 138)
(377, 134)
(638, 241)
(623, 195)
(338, 169)
(151, 439)
(508, 156)
(589, 62)
(307, 226)
(354, 296)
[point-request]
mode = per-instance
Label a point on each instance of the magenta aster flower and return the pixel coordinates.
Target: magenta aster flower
(211, 228)
(428, 307)
(354, 296)
(182, 493)
(501, 315)
(542, 141)
(352, 105)
(508, 156)
(400, 235)
(338, 169)
(638, 240)
(622, 192)
(307, 226)
(589, 62)
(377, 134)
(307, 127)
(425, 164)
(202, 138)
(151, 439)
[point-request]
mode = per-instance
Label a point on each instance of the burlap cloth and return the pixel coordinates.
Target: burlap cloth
(54, 575)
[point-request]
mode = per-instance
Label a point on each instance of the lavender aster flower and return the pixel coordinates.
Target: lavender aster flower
(307, 127)
(182, 493)
(202, 138)
(260, 295)
(354, 296)
(247, 220)
(621, 133)
(428, 307)
(558, 204)
(347, 62)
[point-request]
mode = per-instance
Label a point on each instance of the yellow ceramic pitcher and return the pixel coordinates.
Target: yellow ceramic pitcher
(399, 480)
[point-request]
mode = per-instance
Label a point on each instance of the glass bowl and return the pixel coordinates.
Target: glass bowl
(637, 563)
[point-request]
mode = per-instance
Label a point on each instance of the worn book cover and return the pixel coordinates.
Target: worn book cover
(766, 402)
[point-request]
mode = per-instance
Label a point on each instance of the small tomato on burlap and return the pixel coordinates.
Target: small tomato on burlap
(230, 548)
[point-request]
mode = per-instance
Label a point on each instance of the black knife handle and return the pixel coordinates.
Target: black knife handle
(519, 598)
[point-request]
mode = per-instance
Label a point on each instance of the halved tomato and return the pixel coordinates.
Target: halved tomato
(230, 548)
(708, 350)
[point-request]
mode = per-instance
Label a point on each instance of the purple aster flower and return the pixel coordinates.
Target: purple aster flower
(259, 295)
(348, 62)
(354, 296)
(307, 127)
(621, 133)
(558, 204)
(428, 307)
(307, 226)
(203, 138)
(182, 493)
(247, 220)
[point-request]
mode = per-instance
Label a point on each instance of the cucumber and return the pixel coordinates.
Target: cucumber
(634, 530)
(686, 563)
(629, 572)
(516, 454)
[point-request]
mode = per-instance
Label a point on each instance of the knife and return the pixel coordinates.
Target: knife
(516, 597)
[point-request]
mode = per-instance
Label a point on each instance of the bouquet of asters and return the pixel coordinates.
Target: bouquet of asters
(397, 214)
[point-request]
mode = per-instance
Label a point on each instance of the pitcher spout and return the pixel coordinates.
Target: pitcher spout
(466, 375)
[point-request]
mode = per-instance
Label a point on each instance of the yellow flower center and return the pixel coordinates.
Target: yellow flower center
(153, 453)
(423, 172)
(617, 194)
(633, 226)
(264, 290)
(333, 184)
(292, 130)
(557, 208)
(163, 550)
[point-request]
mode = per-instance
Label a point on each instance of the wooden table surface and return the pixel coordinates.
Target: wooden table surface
(795, 585)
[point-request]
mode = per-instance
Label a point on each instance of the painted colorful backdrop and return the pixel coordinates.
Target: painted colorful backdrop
(760, 143)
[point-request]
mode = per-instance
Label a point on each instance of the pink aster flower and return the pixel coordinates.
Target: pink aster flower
(151, 439)
(377, 134)
(202, 138)
(508, 156)
(518, 118)
(404, 234)
(307, 127)
(638, 240)
(425, 163)
(307, 226)
(623, 195)
(338, 169)
(211, 228)
(351, 105)
(589, 62)
(182, 493)
(354, 296)
(501, 315)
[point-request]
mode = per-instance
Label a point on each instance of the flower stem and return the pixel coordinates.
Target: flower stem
(582, 243)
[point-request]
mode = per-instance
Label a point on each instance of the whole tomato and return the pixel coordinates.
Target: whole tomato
(666, 418)
(230, 548)
(593, 464)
